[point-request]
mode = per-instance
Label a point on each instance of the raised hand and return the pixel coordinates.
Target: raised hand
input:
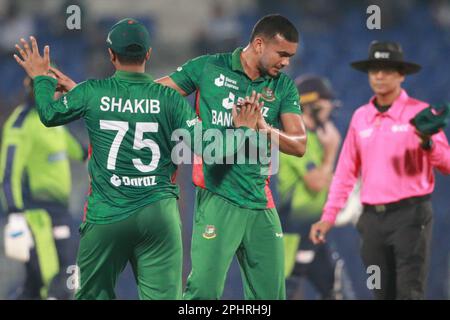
(30, 59)
(329, 137)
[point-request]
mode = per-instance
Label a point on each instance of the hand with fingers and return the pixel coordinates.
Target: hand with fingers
(30, 59)
(329, 136)
(261, 123)
(318, 231)
(254, 98)
(65, 84)
(249, 111)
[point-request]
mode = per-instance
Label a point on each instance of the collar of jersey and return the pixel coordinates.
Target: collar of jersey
(133, 76)
(395, 111)
(236, 65)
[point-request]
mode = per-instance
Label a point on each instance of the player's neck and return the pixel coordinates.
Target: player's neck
(131, 68)
(249, 63)
(388, 98)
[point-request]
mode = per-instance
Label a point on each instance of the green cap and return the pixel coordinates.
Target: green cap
(129, 37)
(429, 122)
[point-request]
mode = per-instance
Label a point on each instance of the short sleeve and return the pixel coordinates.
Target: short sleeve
(290, 103)
(188, 76)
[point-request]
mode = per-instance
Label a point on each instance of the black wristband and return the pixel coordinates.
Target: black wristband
(427, 145)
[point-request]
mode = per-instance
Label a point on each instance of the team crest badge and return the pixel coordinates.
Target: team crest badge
(210, 232)
(267, 94)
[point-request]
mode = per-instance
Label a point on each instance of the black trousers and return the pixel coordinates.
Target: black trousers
(398, 242)
(320, 272)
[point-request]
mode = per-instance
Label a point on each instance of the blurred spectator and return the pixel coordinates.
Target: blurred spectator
(321, 15)
(440, 10)
(222, 32)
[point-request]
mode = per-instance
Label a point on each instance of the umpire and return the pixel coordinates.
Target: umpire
(393, 142)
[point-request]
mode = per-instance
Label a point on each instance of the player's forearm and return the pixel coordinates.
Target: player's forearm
(318, 179)
(57, 112)
(168, 82)
(44, 89)
(440, 156)
(337, 197)
(292, 144)
(218, 144)
(342, 184)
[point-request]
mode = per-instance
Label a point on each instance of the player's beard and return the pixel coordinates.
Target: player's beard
(264, 71)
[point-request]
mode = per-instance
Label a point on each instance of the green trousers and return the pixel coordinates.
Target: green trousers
(150, 239)
(221, 230)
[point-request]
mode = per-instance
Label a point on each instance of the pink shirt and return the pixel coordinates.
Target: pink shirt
(385, 151)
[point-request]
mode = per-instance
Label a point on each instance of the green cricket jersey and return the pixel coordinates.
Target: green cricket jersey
(34, 163)
(219, 81)
(130, 121)
(304, 203)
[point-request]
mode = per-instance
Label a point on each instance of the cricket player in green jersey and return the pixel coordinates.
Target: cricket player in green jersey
(131, 213)
(235, 213)
(303, 188)
(35, 182)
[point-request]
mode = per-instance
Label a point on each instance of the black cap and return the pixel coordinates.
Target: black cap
(312, 88)
(386, 55)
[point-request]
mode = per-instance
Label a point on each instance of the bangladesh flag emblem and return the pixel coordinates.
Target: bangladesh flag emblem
(267, 94)
(210, 232)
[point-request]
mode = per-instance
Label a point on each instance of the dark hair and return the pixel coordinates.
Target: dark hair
(131, 60)
(271, 25)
